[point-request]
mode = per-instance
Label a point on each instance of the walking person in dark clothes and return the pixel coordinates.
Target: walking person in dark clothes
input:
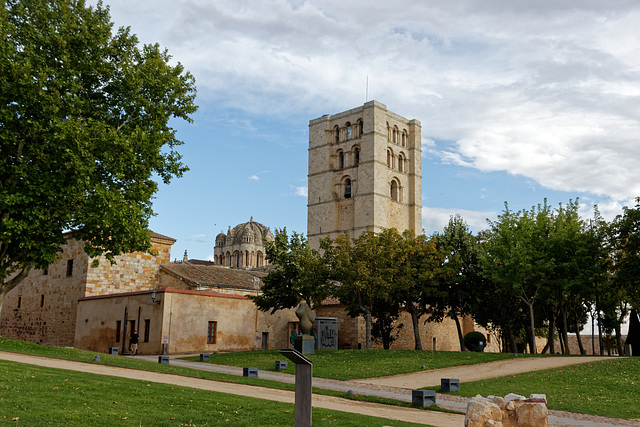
(133, 342)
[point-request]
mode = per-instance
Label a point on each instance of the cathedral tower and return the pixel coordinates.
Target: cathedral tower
(364, 171)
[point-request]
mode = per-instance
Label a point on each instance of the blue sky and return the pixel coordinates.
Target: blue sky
(518, 100)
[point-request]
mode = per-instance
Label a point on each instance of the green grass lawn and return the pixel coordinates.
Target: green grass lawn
(609, 388)
(356, 364)
(32, 395)
(611, 385)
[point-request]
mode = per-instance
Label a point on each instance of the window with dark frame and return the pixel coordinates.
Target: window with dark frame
(69, 267)
(212, 332)
(147, 325)
(19, 301)
(118, 329)
(42, 300)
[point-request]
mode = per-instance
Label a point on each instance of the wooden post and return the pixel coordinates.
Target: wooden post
(304, 375)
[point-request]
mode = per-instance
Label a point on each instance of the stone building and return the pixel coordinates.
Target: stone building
(364, 172)
(176, 307)
(43, 307)
(242, 246)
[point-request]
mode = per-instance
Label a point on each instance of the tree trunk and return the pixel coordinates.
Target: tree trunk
(367, 318)
(512, 341)
(579, 338)
(460, 336)
(416, 327)
(561, 345)
(545, 349)
(551, 340)
(532, 344)
(619, 340)
(565, 336)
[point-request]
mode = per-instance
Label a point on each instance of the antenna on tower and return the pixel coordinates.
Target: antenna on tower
(366, 97)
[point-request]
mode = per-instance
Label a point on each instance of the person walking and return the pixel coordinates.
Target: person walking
(133, 342)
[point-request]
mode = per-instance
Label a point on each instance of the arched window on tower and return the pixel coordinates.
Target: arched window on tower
(405, 138)
(347, 188)
(389, 156)
(356, 156)
(400, 162)
(259, 259)
(395, 134)
(349, 131)
(340, 159)
(360, 128)
(336, 132)
(395, 191)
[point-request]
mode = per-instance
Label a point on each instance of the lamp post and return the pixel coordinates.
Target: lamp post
(153, 297)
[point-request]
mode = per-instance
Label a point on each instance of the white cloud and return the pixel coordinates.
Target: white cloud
(435, 219)
(547, 90)
(254, 178)
(300, 191)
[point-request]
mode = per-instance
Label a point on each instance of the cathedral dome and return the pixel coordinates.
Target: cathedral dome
(249, 232)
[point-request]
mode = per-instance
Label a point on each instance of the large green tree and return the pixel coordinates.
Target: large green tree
(515, 257)
(300, 274)
(461, 284)
(84, 132)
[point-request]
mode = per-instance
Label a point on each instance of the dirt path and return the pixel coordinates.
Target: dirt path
(479, 372)
(437, 419)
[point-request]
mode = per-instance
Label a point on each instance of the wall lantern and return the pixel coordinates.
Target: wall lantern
(153, 297)
(15, 311)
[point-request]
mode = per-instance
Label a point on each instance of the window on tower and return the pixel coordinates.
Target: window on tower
(347, 188)
(394, 190)
(356, 156)
(340, 159)
(349, 131)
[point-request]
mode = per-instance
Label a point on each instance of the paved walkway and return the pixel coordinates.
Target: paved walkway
(374, 387)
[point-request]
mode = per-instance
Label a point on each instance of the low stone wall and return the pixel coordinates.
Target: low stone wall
(512, 411)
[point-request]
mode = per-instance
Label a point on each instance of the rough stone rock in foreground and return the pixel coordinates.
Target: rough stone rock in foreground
(512, 411)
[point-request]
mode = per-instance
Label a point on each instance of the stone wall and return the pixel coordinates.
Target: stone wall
(434, 336)
(132, 272)
(370, 204)
(47, 300)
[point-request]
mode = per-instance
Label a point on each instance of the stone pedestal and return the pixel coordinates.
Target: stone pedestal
(305, 344)
(449, 384)
(250, 372)
(423, 397)
(204, 357)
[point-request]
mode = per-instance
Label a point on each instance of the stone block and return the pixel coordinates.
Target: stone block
(96, 358)
(113, 350)
(449, 384)
(281, 365)
(305, 344)
(250, 372)
(204, 357)
(423, 397)
(163, 359)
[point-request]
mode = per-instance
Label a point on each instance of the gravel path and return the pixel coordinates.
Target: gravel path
(396, 387)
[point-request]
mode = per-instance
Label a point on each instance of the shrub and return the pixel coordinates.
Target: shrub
(472, 341)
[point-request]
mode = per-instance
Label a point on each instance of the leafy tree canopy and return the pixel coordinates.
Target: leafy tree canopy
(84, 130)
(300, 274)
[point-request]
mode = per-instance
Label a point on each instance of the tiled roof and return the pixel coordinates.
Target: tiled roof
(200, 262)
(158, 236)
(214, 275)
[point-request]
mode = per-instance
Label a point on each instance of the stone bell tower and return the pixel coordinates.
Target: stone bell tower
(364, 171)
